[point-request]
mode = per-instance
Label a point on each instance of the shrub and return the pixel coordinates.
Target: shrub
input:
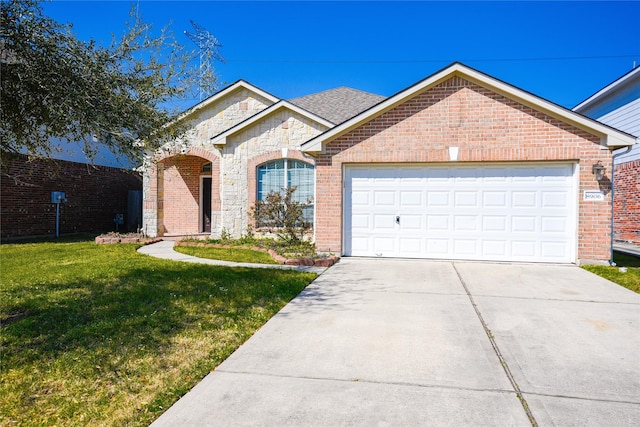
(279, 213)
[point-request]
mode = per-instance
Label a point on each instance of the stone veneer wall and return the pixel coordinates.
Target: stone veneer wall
(487, 127)
(265, 141)
(210, 121)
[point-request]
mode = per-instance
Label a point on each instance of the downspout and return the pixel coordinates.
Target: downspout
(613, 194)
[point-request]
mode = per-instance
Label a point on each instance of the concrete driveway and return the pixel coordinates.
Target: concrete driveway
(414, 342)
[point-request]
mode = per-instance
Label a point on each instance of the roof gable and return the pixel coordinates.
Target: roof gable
(221, 139)
(339, 104)
(609, 137)
(240, 84)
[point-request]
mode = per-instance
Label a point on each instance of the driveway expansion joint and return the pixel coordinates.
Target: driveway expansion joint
(496, 349)
(587, 399)
(367, 381)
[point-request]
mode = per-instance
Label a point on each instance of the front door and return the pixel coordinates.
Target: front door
(205, 207)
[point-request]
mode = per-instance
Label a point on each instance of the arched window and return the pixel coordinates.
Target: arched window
(286, 173)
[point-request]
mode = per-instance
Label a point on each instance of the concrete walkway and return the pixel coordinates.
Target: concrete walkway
(164, 250)
(412, 342)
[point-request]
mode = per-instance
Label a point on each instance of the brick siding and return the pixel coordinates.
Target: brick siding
(626, 210)
(95, 194)
(487, 127)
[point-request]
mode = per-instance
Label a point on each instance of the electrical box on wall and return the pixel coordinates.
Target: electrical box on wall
(58, 197)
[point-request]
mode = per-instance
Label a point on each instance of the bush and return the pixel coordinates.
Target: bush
(279, 213)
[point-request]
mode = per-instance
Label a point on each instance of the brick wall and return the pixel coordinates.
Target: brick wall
(487, 127)
(180, 196)
(626, 211)
(95, 194)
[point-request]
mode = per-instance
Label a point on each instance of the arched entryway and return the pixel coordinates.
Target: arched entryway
(188, 193)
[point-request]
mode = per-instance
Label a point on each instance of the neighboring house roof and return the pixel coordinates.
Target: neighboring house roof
(610, 137)
(627, 86)
(618, 105)
(221, 138)
(339, 104)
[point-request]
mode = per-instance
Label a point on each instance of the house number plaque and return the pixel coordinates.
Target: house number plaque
(593, 196)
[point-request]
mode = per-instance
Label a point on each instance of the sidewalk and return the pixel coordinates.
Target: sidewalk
(164, 250)
(627, 248)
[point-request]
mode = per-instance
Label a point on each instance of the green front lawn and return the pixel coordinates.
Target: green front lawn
(227, 254)
(630, 279)
(101, 335)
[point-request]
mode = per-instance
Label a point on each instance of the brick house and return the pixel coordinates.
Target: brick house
(95, 195)
(243, 142)
(457, 166)
(618, 105)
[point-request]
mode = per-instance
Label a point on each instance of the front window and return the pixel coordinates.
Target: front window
(287, 173)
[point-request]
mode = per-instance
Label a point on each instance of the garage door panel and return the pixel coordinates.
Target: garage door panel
(384, 245)
(360, 222)
(556, 199)
(551, 224)
(465, 247)
(437, 198)
(524, 199)
(494, 199)
(494, 223)
(465, 199)
(438, 248)
(465, 223)
(411, 198)
(360, 198)
(437, 222)
(384, 222)
(411, 223)
(384, 198)
(523, 249)
(523, 224)
(361, 244)
(412, 247)
(515, 212)
(553, 250)
(494, 248)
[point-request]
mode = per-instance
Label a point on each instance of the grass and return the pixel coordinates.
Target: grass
(99, 334)
(630, 279)
(227, 254)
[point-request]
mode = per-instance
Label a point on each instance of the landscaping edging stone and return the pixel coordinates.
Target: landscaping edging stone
(318, 262)
(105, 240)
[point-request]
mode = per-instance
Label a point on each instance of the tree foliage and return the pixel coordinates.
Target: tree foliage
(54, 85)
(281, 214)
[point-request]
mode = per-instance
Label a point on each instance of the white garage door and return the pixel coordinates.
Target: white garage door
(502, 213)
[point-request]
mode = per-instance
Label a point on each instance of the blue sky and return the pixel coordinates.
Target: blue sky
(562, 51)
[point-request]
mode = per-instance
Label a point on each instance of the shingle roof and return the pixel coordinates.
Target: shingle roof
(339, 104)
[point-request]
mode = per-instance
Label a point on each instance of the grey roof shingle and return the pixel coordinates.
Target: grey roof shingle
(339, 104)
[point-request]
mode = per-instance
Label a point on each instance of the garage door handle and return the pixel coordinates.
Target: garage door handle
(398, 220)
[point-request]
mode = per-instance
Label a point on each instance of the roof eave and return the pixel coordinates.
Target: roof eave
(610, 137)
